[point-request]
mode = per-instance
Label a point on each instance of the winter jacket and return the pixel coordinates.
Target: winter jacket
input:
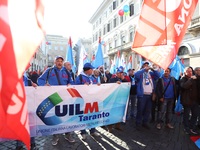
(115, 79)
(188, 91)
(160, 88)
(49, 76)
(139, 80)
(83, 78)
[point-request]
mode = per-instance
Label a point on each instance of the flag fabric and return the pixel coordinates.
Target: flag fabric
(179, 106)
(18, 42)
(176, 67)
(117, 61)
(93, 60)
(82, 58)
(99, 56)
(69, 55)
(162, 26)
(129, 66)
(196, 140)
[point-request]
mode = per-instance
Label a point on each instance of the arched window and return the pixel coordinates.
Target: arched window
(183, 50)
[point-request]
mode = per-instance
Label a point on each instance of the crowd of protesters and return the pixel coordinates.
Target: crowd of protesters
(153, 94)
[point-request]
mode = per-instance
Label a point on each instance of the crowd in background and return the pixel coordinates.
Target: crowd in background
(153, 94)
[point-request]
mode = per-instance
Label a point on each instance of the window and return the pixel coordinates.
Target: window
(116, 41)
(108, 27)
(55, 48)
(61, 48)
(93, 38)
(99, 33)
(96, 37)
(131, 36)
(121, 1)
(49, 47)
(121, 19)
(110, 9)
(99, 20)
(131, 9)
(123, 41)
(97, 23)
(104, 49)
(110, 46)
(93, 26)
(114, 5)
(114, 22)
(104, 29)
(183, 50)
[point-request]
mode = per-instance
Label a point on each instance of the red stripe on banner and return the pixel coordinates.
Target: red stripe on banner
(74, 92)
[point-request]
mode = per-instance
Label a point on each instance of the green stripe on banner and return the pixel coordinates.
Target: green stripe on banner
(55, 99)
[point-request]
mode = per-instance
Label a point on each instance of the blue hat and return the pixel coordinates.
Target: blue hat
(120, 69)
(146, 62)
(88, 66)
(57, 57)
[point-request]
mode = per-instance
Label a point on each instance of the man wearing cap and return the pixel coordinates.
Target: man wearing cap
(56, 75)
(119, 78)
(86, 78)
(144, 79)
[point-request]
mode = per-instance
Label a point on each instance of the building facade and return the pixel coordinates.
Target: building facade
(117, 32)
(55, 45)
(189, 50)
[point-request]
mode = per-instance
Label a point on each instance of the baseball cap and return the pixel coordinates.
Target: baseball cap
(88, 66)
(146, 62)
(57, 57)
(120, 69)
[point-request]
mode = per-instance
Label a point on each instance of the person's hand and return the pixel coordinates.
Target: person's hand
(105, 79)
(98, 84)
(162, 99)
(194, 77)
(68, 84)
(34, 85)
(47, 84)
(118, 82)
(86, 83)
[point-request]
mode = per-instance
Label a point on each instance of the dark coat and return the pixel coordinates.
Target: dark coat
(188, 91)
(160, 88)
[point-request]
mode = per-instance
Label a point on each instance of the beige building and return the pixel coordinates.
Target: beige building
(55, 45)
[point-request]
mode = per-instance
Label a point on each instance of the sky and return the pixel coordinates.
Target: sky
(70, 17)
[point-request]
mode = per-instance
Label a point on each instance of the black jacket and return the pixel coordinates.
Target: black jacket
(188, 91)
(160, 88)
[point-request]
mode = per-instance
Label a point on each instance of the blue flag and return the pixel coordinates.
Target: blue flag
(99, 56)
(69, 56)
(176, 67)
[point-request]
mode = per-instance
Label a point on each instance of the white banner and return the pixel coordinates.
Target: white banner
(59, 109)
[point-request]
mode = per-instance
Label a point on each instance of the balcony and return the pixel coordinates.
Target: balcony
(123, 47)
(194, 27)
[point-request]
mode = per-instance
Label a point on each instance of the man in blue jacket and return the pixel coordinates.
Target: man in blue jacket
(86, 78)
(144, 79)
(56, 75)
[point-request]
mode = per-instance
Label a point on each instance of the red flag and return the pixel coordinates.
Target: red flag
(19, 40)
(162, 26)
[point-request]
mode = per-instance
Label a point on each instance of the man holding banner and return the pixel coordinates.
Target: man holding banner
(56, 75)
(86, 78)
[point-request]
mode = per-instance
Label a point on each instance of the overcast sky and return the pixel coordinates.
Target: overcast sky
(70, 17)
